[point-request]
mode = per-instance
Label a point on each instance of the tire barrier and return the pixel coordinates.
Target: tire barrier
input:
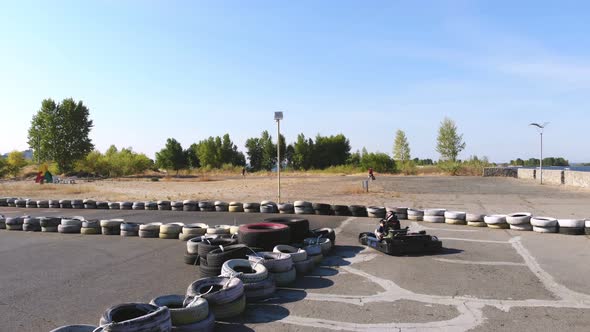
(297, 254)
(520, 221)
(88, 204)
(358, 210)
(31, 204)
(340, 210)
(221, 206)
(400, 212)
(164, 205)
(376, 212)
(11, 202)
(21, 203)
(286, 208)
(324, 243)
(176, 206)
(285, 278)
(496, 221)
(129, 229)
(190, 205)
(43, 204)
(65, 204)
(325, 232)
(236, 207)
(587, 227)
(206, 206)
(114, 206)
(180, 315)
(152, 206)
(268, 207)
(126, 205)
(252, 207)
(219, 230)
(70, 226)
(274, 262)
(150, 230)
(171, 230)
(455, 217)
(434, 219)
(322, 209)
(31, 224)
(435, 212)
(136, 317)
(258, 291)
(2, 222)
(138, 206)
(101, 205)
(111, 226)
(77, 204)
(303, 207)
(206, 245)
(3, 201)
(224, 295)
(264, 235)
(313, 250)
(14, 224)
(245, 270)
(415, 215)
(299, 228)
(571, 226)
(197, 229)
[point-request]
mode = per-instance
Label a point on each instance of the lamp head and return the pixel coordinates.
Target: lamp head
(278, 116)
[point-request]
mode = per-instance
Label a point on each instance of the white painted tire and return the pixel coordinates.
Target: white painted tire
(474, 217)
(172, 228)
(235, 208)
(111, 223)
(179, 314)
(195, 229)
(273, 261)
(228, 270)
(297, 255)
(285, 278)
(455, 221)
(549, 229)
(477, 224)
(232, 289)
(434, 212)
(192, 245)
(573, 223)
(519, 218)
(544, 222)
(415, 213)
(324, 243)
(521, 227)
(415, 218)
(153, 226)
(234, 230)
(304, 267)
(219, 229)
(587, 223)
(434, 219)
(495, 219)
(456, 215)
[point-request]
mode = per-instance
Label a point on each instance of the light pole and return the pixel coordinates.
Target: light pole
(278, 118)
(540, 128)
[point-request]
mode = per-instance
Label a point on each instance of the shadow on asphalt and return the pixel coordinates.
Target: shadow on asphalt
(254, 314)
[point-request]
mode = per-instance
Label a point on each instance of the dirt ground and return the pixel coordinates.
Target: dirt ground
(475, 194)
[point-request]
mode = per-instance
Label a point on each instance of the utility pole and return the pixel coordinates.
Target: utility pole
(278, 118)
(540, 128)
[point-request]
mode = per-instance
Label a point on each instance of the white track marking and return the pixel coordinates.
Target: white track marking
(457, 261)
(417, 227)
(338, 229)
(472, 240)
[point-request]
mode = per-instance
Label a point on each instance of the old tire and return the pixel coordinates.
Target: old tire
(299, 227)
(136, 317)
(285, 278)
(196, 310)
(297, 254)
(264, 235)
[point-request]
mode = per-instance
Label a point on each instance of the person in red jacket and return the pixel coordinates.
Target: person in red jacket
(371, 176)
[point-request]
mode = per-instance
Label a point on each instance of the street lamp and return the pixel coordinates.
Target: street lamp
(540, 128)
(278, 118)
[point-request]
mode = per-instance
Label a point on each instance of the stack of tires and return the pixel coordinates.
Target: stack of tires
(322, 209)
(415, 214)
(99, 205)
(268, 207)
(70, 225)
(327, 233)
(455, 217)
(475, 220)
(298, 227)
(571, 226)
(302, 264)
(176, 206)
(129, 229)
(138, 206)
(264, 235)
(544, 224)
(303, 207)
(170, 231)
(520, 221)
(49, 224)
(190, 205)
(314, 252)
(31, 224)
(114, 206)
(89, 204)
(164, 205)
(3, 201)
(434, 215)
(400, 212)
(136, 317)
(126, 205)
(236, 207)
(286, 208)
(31, 204)
(11, 202)
(258, 282)
(252, 207)
(193, 230)
(205, 246)
(279, 265)
(376, 212)
(221, 206)
(152, 206)
(225, 296)
(206, 206)
(324, 243)
(53, 204)
(189, 317)
(14, 224)
(2, 222)
(110, 226)
(90, 227)
(358, 210)
(496, 221)
(587, 227)
(340, 210)
(20, 203)
(43, 204)
(64, 204)
(219, 230)
(77, 204)
(150, 230)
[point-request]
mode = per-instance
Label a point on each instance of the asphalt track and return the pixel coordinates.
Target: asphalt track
(484, 280)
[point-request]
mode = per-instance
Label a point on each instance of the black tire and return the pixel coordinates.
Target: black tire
(129, 233)
(149, 234)
(571, 230)
(325, 233)
(299, 227)
(264, 235)
(587, 230)
(358, 210)
(216, 257)
(111, 230)
(207, 271)
(206, 246)
(136, 317)
(191, 259)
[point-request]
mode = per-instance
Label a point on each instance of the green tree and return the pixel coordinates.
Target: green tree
(15, 162)
(450, 142)
(254, 152)
(303, 153)
(330, 151)
(3, 167)
(401, 147)
(60, 132)
(171, 156)
(380, 162)
(192, 156)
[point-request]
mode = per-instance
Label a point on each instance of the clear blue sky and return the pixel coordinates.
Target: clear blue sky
(149, 70)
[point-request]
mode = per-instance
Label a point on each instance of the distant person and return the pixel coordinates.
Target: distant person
(243, 172)
(371, 175)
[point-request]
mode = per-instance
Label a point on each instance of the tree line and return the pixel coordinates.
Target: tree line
(59, 132)
(533, 162)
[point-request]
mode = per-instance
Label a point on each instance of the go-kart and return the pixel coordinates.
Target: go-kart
(402, 242)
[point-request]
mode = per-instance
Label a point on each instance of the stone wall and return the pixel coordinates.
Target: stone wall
(576, 179)
(527, 173)
(500, 171)
(551, 176)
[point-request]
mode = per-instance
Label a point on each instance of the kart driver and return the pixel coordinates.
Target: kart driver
(387, 224)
